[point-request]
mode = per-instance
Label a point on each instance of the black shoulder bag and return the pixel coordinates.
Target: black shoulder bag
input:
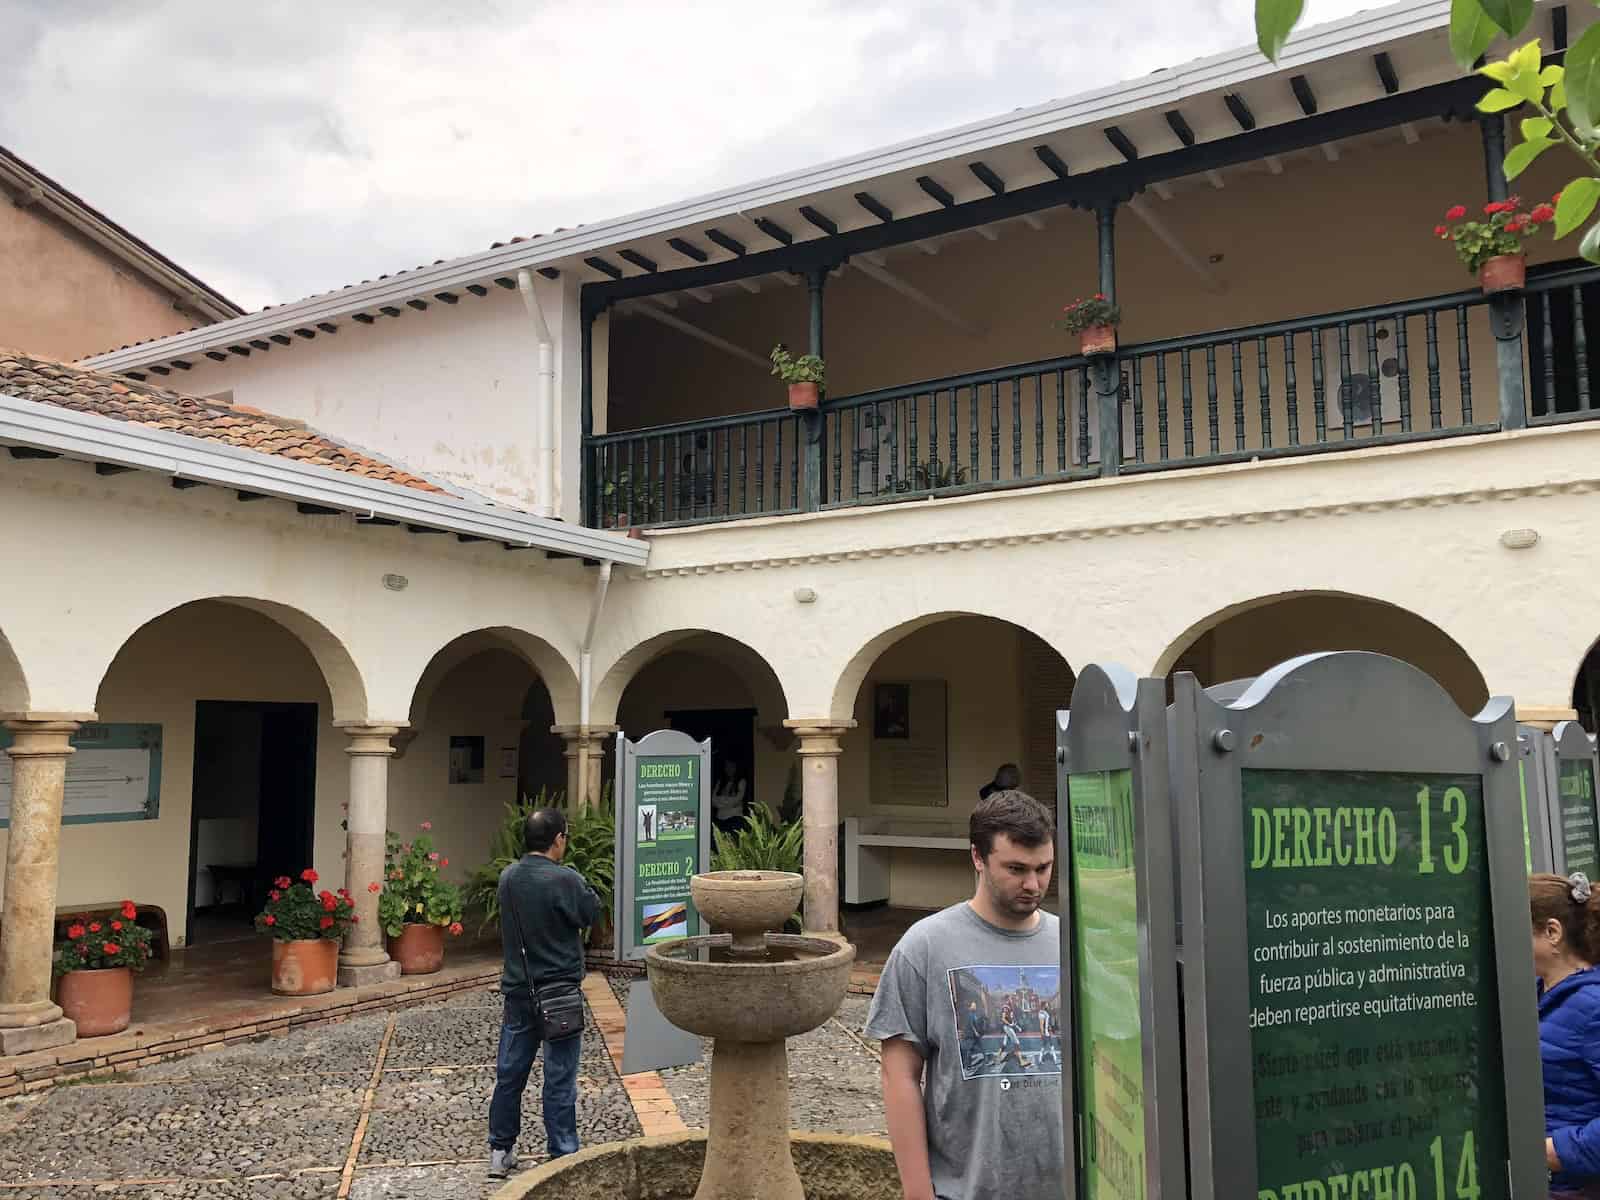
(560, 1004)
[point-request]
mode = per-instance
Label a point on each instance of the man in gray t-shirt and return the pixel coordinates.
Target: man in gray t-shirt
(973, 1101)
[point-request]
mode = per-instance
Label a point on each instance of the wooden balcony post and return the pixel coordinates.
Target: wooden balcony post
(811, 499)
(1107, 376)
(1507, 313)
(587, 483)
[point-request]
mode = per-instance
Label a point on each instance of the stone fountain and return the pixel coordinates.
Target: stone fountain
(755, 990)
(749, 990)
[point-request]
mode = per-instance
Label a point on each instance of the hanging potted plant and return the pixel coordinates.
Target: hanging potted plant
(305, 927)
(95, 967)
(1095, 321)
(804, 375)
(1492, 248)
(417, 907)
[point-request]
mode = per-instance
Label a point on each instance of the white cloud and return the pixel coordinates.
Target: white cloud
(282, 149)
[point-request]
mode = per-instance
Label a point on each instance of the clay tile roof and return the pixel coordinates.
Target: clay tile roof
(45, 381)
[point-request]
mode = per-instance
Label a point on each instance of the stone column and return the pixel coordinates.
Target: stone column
(363, 959)
(585, 747)
(39, 751)
(1545, 716)
(819, 789)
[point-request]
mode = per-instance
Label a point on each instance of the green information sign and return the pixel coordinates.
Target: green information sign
(1580, 832)
(665, 810)
(1111, 1102)
(1372, 987)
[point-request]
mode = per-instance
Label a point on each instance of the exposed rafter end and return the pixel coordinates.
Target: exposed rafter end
(422, 529)
(1274, 164)
(937, 190)
(376, 521)
(183, 364)
(477, 289)
(1409, 132)
(111, 469)
(184, 485)
(547, 272)
(729, 243)
(282, 339)
(31, 452)
(308, 334)
(1180, 127)
(510, 284)
(773, 230)
(1033, 221)
(1301, 86)
(246, 497)
(389, 310)
(1330, 151)
(604, 266)
(1215, 179)
(1240, 110)
(1386, 72)
(160, 370)
(688, 249)
(216, 356)
(1122, 142)
(363, 318)
(987, 176)
(318, 510)
(1056, 164)
(819, 220)
(647, 265)
(441, 297)
(874, 206)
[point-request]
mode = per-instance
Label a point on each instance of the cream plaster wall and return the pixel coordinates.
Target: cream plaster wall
(64, 297)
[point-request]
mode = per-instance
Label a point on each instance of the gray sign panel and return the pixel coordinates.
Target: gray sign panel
(663, 795)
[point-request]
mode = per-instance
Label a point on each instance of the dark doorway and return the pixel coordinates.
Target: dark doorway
(253, 809)
(733, 736)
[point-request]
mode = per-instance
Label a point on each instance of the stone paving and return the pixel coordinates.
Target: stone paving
(383, 1105)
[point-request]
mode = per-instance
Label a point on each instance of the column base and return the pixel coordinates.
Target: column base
(354, 976)
(26, 1039)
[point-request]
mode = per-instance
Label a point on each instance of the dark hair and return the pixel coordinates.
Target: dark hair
(1550, 898)
(1008, 778)
(542, 828)
(1016, 814)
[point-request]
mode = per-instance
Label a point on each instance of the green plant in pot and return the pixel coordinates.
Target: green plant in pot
(305, 926)
(95, 966)
(805, 374)
(1095, 321)
(629, 503)
(762, 845)
(417, 907)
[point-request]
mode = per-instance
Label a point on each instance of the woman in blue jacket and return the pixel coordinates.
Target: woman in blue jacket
(1566, 946)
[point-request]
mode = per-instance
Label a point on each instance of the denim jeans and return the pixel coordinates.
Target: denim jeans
(519, 1043)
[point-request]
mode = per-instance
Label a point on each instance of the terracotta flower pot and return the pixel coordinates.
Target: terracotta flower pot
(1504, 273)
(419, 949)
(802, 397)
(1098, 339)
(305, 967)
(98, 1002)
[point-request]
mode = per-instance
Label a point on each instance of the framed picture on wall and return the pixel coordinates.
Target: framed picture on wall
(891, 711)
(508, 762)
(466, 759)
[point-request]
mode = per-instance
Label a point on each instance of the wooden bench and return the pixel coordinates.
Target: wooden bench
(152, 916)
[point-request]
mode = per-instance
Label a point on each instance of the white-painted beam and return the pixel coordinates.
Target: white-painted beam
(917, 296)
(929, 248)
(787, 278)
(1175, 244)
(1409, 132)
(701, 294)
(1274, 164)
(988, 233)
(1215, 179)
(874, 257)
(666, 301)
(645, 308)
(749, 285)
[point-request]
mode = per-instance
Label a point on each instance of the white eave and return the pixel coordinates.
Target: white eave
(1160, 91)
(96, 439)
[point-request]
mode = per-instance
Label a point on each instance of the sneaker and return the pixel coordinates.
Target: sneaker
(502, 1163)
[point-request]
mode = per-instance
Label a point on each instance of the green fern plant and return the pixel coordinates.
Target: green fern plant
(591, 849)
(762, 845)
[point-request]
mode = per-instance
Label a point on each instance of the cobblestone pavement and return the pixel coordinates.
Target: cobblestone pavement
(833, 1075)
(308, 1114)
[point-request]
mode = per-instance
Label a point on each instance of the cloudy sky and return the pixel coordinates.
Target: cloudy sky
(281, 148)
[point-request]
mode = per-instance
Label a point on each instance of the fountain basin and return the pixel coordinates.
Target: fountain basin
(746, 903)
(791, 989)
(667, 1167)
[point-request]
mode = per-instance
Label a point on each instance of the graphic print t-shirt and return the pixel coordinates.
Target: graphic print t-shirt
(969, 995)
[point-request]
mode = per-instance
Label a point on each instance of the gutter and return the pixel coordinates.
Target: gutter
(1162, 89)
(544, 402)
(91, 438)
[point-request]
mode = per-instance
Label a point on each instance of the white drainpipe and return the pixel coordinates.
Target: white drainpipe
(586, 675)
(544, 403)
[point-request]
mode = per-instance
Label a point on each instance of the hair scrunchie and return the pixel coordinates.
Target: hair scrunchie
(1579, 883)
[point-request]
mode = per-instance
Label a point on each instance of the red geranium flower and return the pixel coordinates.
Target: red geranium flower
(455, 929)
(111, 948)
(354, 918)
(326, 922)
(434, 857)
(274, 894)
(94, 926)
(129, 911)
(1441, 231)
(74, 932)
(116, 927)
(1456, 213)
(427, 825)
(308, 875)
(281, 881)
(444, 862)
(269, 919)
(374, 886)
(1542, 213)
(329, 904)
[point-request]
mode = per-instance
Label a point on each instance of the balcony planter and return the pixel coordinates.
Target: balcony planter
(419, 949)
(1098, 339)
(98, 1002)
(304, 966)
(1504, 273)
(805, 376)
(802, 397)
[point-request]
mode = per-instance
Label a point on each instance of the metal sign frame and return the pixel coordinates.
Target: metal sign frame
(663, 743)
(1118, 722)
(1536, 790)
(1567, 742)
(1332, 712)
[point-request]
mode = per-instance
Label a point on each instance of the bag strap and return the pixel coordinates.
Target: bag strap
(522, 946)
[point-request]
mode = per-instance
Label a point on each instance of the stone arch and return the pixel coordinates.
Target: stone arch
(346, 686)
(855, 670)
(1585, 690)
(13, 683)
(1326, 619)
(737, 655)
(544, 659)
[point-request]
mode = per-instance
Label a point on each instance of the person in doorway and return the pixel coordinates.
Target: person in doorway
(1006, 779)
(1566, 946)
(544, 907)
(960, 1133)
(727, 798)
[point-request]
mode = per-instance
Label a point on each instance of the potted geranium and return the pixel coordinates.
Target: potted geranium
(417, 907)
(1492, 247)
(1095, 321)
(305, 926)
(95, 967)
(804, 375)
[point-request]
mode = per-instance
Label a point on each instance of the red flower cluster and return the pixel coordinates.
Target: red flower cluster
(123, 944)
(455, 929)
(308, 875)
(111, 948)
(75, 931)
(282, 881)
(129, 911)
(374, 887)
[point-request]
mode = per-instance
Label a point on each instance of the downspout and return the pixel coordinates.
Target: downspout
(586, 679)
(544, 401)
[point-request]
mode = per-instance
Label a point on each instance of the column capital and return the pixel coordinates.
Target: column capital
(30, 716)
(819, 736)
(583, 733)
(35, 738)
(369, 738)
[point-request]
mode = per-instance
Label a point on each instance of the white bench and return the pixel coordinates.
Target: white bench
(867, 844)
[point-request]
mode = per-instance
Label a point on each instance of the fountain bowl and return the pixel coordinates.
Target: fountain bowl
(791, 989)
(746, 903)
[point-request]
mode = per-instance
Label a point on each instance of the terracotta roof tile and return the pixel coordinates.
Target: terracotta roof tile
(45, 381)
